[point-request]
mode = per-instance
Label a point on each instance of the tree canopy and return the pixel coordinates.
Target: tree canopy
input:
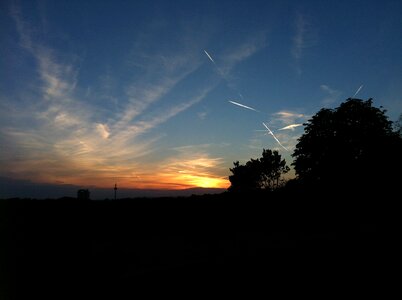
(398, 125)
(262, 173)
(351, 144)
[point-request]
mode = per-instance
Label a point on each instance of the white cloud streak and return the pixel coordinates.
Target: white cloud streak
(302, 40)
(209, 56)
(242, 105)
(103, 130)
(290, 127)
(271, 133)
(21, 26)
(242, 52)
(202, 115)
(332, 95)
(299, 38)
(74, 141)
(288, 117)
(69, 141)
(358, 90)
(286, 122)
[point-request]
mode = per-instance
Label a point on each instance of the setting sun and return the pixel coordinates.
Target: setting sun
(209, 182)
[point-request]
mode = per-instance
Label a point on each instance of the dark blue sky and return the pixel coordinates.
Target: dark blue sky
(94, 92)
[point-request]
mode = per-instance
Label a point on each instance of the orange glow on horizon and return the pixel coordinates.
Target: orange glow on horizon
(203, 181)
(178, 181)
(177, 173)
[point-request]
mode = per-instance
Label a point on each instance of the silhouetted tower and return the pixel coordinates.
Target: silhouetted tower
(115, 190)
(83, 194)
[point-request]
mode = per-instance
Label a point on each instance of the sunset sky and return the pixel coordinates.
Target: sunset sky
(137, 92)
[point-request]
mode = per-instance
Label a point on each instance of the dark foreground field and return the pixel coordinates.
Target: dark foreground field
(113, 247)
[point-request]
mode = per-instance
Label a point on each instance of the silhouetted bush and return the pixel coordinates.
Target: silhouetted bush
(262, 173)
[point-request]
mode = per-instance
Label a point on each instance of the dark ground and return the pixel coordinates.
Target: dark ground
(70, 247)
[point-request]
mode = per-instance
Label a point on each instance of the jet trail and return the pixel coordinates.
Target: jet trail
(271, 133)
(222, 74)
(242, 105)
(358, 90)
(209, 56)
(291, 127)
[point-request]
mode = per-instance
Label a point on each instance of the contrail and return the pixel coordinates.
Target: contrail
(222, 74)
(209, 56)
(358, 90)
(242, 105)
(291, 127)
(270, 132)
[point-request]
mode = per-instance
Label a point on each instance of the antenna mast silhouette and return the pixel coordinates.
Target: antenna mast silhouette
(115, 190)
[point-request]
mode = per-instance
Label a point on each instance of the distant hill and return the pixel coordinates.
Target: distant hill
(14, 188)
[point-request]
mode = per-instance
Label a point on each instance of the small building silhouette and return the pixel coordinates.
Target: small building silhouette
(83, 194)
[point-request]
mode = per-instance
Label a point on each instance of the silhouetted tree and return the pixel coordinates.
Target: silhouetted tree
(272, 168)
(398, 125)
(352, 145)
(262, 173)
(245, 177)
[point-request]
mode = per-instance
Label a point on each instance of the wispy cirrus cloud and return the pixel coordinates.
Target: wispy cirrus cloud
(202, 115)
(299, 37)
(147, 123)
(287, 117)
(303, 38)
(23, 28)
(291, 126)
(230, 58)
(75, 142)
(242, 52)
(58, 79)
(279, 123)
(332, 95)
(142, 95)
(197, 168)
(103, 130)
(187, 166)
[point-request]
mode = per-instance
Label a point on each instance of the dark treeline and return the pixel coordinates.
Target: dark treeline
(351, 149)
(338, 215)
